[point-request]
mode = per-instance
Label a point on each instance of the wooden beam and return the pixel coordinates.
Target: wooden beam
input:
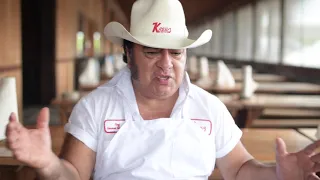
(119, 13)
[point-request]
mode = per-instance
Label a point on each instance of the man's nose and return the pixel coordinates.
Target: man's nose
(165, 62)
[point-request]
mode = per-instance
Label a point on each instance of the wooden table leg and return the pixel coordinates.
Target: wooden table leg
(26, 173)
(247, 115)
(7, 173)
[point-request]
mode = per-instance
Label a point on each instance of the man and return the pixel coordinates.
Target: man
(149, 121)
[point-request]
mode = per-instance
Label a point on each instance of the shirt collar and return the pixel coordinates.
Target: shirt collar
(123, 82)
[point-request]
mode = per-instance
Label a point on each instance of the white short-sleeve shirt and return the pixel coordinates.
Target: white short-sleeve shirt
(97, 117)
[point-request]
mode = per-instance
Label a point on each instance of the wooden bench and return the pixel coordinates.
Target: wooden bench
(295, 88)
(297, 113)
(253, 107)
(285, 123)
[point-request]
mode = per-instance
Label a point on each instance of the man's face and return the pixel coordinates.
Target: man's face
(157, 73)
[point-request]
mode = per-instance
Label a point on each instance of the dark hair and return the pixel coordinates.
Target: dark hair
(127, 45)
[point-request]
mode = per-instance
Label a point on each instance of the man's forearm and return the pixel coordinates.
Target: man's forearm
(253, 170)
(58, 170)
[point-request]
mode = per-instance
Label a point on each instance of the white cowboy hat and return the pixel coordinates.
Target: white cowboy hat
(158, 24)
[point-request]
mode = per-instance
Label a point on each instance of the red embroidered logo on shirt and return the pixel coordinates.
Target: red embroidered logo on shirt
(204, 124)
(113, 125)
(158, 29)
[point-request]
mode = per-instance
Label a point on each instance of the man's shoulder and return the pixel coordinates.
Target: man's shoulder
(102, 95)
(200, 95)
(204, 102)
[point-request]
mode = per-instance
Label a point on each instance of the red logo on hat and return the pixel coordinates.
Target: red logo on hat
(158, 29)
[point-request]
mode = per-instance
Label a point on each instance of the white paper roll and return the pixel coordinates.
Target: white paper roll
(205, 80)
(8, 102)
(91, 74)
(248, 84)
(108, 66)
(224, 76)
(193, 65)
(118, 62)
(204, 67)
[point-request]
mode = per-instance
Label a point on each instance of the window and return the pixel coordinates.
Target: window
(244, 33)
(216, 38)
(194, 33)
(292, 32)
(228, 36)
(302, 33)
(310, 33)
(268, 18)
(97, 43)
(274, 31)
(207, 47)
(80, 43)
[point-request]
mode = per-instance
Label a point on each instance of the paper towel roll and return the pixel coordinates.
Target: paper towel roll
(224, 76)
(193, 65)
(91, 74)
(108, 66)
(248, 84)
(118, 62)
(204, 67)
(205, 80)
(8, 102)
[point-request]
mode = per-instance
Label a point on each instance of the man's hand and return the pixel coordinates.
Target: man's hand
(31, 146)
(301, 165)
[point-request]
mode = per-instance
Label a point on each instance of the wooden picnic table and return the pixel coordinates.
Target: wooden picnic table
(260, 78)
(271, 88)
(260, 143)
(283, 101)
(253, 107)
(238, 77)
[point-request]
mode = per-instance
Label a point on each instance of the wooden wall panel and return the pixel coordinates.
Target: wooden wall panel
(10, 46)
(65, 76)
(66, 29)
(68, 13)
(14, 32)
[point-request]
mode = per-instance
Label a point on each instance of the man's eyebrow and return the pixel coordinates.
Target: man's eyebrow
(148, 48)
(158, 49)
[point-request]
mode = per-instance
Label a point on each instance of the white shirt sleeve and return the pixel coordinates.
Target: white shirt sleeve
(82, 124)
(227, 133)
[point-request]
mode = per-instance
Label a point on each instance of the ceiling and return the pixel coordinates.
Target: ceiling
(195, 10)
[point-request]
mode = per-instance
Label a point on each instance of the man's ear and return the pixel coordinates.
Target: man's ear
(128, 57)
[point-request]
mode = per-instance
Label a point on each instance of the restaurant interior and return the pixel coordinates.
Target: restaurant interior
(262, 62)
